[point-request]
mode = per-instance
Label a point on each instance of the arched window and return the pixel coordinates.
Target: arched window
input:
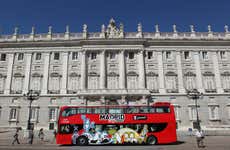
(132, 80)
(208, 81)
(112, 80)
(171, 82)
(17, 83)
(93, 80)
(36, 80)
(74, 82)
(225, 79)
(152, 81)
(2, 83)
(190, 80)
(54, 83)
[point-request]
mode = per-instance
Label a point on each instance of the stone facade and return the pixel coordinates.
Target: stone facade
(114, 67)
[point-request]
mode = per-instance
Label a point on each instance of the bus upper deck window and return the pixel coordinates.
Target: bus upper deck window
(144, 109)
(81, 110)
(115, 110)
(132, 110)
(68, 112)
(162, 110)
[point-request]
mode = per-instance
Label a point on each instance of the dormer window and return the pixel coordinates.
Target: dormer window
(168, 55)
(187, 55)
(223, 55)
(74, 55)
(56, 56)
(131, 55)
(205, 55)
(3, 57)
(150, 55)
(20, 56)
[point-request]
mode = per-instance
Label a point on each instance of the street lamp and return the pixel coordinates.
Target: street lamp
(31, 96)
(195, 95)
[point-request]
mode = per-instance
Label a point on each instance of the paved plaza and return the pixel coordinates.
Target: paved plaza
(184, 142)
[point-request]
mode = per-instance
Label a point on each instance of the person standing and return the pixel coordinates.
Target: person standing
(41, 134)
(16, 137)
(199, 138)
(54, 134)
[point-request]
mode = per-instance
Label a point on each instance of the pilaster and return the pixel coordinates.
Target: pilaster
(122, 70)
(83, 70)
(198, 72)
(9, 73)
(102, 70)
(27, 72)
(45, 73)
(179, 73)
(141, 70)
(64, 72)
(217, 72)
(161, 72)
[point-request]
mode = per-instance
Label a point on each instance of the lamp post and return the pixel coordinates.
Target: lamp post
(195, 95)
(30, 96)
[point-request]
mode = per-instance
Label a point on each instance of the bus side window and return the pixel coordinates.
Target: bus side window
(132, 110)
(151, 109)
(81, 110)
(143, 109)
(88, 110)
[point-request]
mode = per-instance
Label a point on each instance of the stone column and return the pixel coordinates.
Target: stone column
(102, 71)
(9, 73)
(64, 72)
(45, 73)
(27, 72)
(83, 70)
(199, 82)
(122, 70)
(179, 73)
(217, 73)
(161, 72)
(141, 70)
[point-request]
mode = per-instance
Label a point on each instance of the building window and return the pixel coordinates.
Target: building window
(112, 55)
(56, 56)
(168, 55)
(54, 84)
(113, 81)
(213, 112)
(17, 83)
(223, 55)
(3, 57)
(187, 55)
(93, 55)
(0, 112)
(225, 79)
(36, 82)
(177, 112)
(150, 55)
(152, 82)
(2, 83)
(52, 114)
(13, 114)
(74, 55)
(38, 56)
(228, 106)
(131, 55)
(209, 84)
(190, 81)
(132, 80)
(192, 113)
(205, 55)
(93, 80)
(34, 114)
(74, 82)
(20, 56)
(171, 82)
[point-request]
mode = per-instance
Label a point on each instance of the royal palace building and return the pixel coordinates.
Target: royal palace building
(114, 67)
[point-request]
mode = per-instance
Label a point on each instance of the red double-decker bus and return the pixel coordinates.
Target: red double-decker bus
(81, 125)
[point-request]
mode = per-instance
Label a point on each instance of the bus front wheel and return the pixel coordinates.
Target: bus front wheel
(82, 140)
(152, 140)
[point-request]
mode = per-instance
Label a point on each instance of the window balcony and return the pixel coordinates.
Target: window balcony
(210, 90)
(54, 91)
(227, 90)
(71, 91)
(172, 90)
(16, 92)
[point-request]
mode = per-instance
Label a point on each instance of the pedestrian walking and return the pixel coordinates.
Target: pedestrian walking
(41, 134)
(16, 137)
(200, 138)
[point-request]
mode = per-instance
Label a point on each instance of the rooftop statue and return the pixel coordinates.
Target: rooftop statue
(112, 31)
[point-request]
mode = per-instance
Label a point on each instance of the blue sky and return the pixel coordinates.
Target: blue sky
(59, 13)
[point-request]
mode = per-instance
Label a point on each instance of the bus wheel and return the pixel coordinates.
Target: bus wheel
(82, 140)
(152, 140)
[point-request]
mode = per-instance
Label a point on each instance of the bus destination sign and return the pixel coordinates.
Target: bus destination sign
(112, 117)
